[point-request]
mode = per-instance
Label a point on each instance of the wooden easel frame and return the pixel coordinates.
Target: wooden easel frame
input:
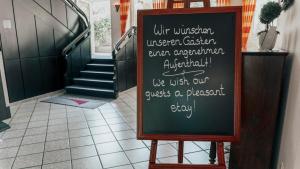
(217, 145)
(152, 162)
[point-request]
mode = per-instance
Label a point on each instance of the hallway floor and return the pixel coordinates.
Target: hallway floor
(51, 136)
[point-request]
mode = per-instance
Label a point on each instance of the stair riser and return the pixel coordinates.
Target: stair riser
(97, 76)
(94, 84)
(100, 68)
(91, 93)
(102, 61)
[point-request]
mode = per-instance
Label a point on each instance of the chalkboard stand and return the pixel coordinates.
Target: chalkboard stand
(213, 146)
(217, 145)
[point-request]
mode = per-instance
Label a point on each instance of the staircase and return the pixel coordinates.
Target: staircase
(97, 79)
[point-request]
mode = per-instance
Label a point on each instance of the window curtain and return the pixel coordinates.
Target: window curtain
(248, 13)
(124, 9)
(223, 2)
(178, 4)
(159, 4)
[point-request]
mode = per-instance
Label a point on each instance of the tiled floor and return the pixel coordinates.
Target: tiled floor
(51, 136)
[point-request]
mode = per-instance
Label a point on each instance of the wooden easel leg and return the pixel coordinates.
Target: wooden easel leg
(221, 155)
(212, 152)
(180, 151)
(153, 152)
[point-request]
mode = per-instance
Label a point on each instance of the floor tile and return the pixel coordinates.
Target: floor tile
(8, 152)
(142, 165)
(114, 159)
(60, 165)
(57, 135)
(76, 119)
(57, 116)
(79, 133)
(57, 121)
(103, 138)
(28, 161)
(80, 125)
(34, 124)
(115, 120)
(56, 156)
(122, 135)
(203, 145)
(138, 155)
(57, 128)
(14, 142)
(35, 131)
(31, 149)
(100, 130)
(34, 139)
(81, 152)
(198, 158)
(13, 134)
(19, 126)
(96, 123)
(81, 141)
(35, 167)
(39, 117)
(111, 115)
(123, 167)
(189, 147)
(165, 150)
(6, 163)
(119, 127)
(110, 147)
(57, 145)
(131, 144)
(87, 163)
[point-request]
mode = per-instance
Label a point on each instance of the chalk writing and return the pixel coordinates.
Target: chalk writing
(187, 55)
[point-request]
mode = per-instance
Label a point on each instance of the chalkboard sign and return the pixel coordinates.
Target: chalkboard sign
(189, 74)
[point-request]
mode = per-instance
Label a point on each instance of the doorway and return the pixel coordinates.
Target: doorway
(99, 14)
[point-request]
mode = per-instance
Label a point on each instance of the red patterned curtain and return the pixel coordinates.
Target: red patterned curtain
(223, 2)
(159, 4)
(124, 9)
(248, 13)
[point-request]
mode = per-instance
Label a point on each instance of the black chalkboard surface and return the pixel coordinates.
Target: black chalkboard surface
(189, 74)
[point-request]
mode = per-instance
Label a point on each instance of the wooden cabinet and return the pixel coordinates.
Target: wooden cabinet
(261, 96)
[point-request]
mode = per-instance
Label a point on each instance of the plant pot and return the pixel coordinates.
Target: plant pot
(267, 38)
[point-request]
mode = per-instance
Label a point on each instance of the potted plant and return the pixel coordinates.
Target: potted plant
(269, 12)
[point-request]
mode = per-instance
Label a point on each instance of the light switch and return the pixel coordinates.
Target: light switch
(7, 24)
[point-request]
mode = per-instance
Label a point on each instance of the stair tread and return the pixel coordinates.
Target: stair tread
(95, 80)
(96, 64)
(89, 88)
(99, 72)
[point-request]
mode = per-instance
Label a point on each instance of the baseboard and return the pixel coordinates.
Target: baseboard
(54, 93)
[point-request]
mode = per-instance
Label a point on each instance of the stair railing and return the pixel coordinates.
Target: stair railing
(76, 42)
(83, 35)
(120, 43)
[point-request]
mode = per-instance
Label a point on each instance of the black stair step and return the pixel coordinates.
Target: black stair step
(99, 83)
(97, 74)
(90, 91)
(100, 67)
(103, 61)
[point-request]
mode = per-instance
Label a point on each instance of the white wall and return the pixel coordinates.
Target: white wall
(289, 39)
(115, 23)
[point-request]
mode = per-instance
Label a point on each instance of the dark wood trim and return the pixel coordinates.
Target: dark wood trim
(187, 3)
(237, 81)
